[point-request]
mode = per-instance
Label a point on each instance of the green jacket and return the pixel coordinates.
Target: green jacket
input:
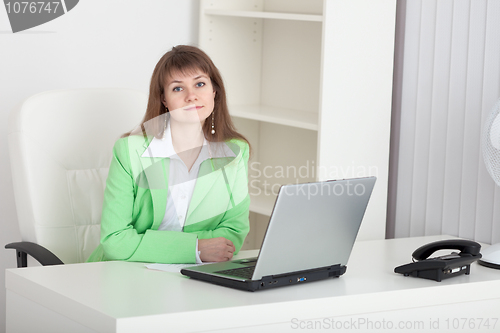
(135, 201)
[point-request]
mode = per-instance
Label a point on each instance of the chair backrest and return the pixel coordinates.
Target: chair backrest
(60, 145)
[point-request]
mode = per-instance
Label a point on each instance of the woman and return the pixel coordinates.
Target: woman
(177, 186)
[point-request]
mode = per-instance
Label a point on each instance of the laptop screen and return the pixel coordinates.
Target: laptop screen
(313, 225)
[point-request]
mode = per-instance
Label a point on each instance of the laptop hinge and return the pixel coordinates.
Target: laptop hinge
(334, 269)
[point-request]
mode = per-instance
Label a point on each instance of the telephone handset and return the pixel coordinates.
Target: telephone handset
(445, 266)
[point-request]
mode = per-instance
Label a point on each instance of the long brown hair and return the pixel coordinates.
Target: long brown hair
(186, 59)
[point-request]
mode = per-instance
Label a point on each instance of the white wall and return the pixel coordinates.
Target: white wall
(112, 43)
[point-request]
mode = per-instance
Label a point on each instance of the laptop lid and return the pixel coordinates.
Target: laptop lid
(313, 225)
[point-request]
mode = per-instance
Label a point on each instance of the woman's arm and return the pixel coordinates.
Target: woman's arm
(120, 223)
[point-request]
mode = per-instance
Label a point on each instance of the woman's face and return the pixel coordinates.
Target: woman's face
(189, 97)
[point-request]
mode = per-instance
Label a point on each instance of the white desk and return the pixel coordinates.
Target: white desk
(127, 297)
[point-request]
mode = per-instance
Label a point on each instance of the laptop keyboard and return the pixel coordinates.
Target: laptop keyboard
(245, 272)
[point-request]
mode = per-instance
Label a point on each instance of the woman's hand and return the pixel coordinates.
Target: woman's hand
(215, 249)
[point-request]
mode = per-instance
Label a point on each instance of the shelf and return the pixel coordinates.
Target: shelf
(281, 116)
(265, 15)
(262, 204)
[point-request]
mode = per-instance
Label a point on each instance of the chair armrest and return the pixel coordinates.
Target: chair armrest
(41, 254)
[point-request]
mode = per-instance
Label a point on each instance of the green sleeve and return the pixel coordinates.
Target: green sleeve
(119, 236)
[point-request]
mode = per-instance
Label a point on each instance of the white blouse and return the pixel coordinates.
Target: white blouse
(181, 181)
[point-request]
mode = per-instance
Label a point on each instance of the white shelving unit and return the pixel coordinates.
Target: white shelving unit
(264, 15)
(309, 83)
(276, 115)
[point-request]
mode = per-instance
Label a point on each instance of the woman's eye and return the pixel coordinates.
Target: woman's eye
(200, 84)
(177, 89)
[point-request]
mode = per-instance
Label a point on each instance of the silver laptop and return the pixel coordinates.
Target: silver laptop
(310, 236)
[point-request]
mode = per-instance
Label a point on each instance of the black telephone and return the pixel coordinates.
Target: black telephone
(442, 267)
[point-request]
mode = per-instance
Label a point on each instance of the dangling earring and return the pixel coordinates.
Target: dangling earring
(213, 129)
(166, 110)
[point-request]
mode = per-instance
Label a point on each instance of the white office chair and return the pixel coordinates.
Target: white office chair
(60, 145)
